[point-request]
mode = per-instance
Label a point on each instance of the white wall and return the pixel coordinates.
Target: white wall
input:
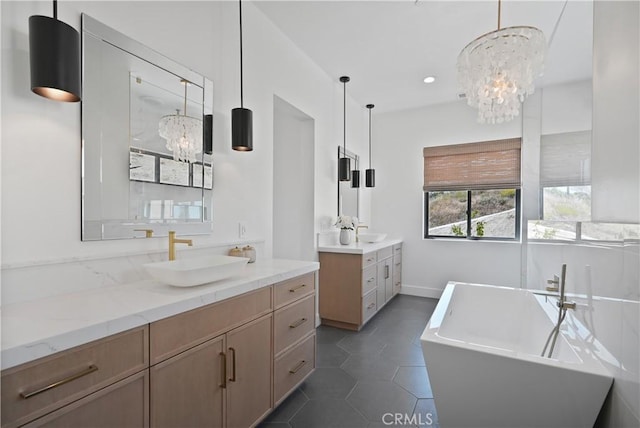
(41, 138)
(397, 201)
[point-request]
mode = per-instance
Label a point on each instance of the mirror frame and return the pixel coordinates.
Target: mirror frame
(356, 161)
(101, 32)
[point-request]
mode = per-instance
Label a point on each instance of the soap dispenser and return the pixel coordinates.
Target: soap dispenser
(250, 253)
(236, 252)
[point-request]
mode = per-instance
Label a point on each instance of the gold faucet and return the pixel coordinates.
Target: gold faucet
(358, 229)
(172, 244)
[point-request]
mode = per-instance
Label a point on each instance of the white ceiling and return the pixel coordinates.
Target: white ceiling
(388, 47)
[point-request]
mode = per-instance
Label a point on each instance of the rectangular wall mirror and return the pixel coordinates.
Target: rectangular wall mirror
(131, 180)
(348, 197)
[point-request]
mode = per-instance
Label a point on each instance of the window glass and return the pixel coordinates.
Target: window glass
(493, 213)
(447, 213)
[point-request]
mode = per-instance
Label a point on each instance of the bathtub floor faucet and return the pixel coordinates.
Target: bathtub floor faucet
(563, 305)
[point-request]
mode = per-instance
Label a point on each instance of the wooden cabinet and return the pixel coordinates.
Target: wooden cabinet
(294, 336)
(353, 287)
(224, 380)
(49, 384)
(209, 367)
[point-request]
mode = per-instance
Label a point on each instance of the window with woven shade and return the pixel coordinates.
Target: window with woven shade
(473, 190)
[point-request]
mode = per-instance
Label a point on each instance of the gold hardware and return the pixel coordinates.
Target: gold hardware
(78, 375)
(358, 229)
(148, 233)
(371, 306)
(298, 323)
(298, 367)
(172, 244)
(223, 370)
(233, 365)
(297, 287)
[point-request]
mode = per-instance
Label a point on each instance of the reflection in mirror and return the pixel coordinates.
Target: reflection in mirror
(348, 197)
(132, 178)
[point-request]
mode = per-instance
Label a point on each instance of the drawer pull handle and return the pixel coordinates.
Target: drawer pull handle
(298, 367)
(398, 264)
(233, 365)
(71, 378)
(386, 271)
(298, 323)
(370, 260)
(371, 279)
(371, 306)
(223, 370)
(297, 287)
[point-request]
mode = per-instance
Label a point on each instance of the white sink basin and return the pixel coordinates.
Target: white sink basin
(196, 271)
(371, 236)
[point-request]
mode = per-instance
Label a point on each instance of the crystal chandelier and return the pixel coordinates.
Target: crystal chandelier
(183, 133)
(496, 71)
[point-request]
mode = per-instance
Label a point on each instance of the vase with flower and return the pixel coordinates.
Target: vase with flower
(346, 224)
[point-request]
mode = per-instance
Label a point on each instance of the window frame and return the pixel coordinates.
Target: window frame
(469, 236)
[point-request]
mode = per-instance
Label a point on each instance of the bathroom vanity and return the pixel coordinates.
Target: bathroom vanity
(357, 280)
(222, 354)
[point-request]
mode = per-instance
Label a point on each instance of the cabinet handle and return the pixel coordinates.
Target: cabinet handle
(233, 365)
(370, 260)
(371, 306)
(371, 279)
(223, 370)
(398, 264)
(386, 271)
(297, 287)
(298, 323)
(298, 367)
(92, 368)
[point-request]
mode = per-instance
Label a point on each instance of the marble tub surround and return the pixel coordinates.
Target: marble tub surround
(40, 327)
(22, 282)
(356, 247)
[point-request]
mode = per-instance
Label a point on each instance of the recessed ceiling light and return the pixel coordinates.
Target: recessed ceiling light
(429, 79)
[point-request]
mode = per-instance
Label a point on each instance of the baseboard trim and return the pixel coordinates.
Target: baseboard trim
(416, 290)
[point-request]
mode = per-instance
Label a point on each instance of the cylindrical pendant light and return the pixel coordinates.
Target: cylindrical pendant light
(344, 164)
(54, 56)
(355, 178)
(241, 118)
(370, 174)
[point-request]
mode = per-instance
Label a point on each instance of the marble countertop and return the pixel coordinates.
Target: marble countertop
(358, 247)
(38, 328)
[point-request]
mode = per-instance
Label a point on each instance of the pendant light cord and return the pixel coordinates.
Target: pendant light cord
(499, 10)
(241, 76)
(344, 110)
(369, 138)
(184, 82)
(55, 9)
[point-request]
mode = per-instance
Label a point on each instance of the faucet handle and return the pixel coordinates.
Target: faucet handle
(554, 283)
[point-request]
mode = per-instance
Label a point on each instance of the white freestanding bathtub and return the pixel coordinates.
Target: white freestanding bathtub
(482, 350)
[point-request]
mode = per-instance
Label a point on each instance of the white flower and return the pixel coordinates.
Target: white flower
(346, 222)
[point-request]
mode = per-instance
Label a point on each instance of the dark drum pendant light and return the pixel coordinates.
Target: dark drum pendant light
(241, 118)
(344, 163)
(54, 55)
(355, 178)
(370, 174)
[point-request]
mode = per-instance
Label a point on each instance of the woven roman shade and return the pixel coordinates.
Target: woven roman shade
(565, 159)
(473, 166)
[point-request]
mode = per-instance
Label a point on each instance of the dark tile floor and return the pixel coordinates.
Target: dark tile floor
(372, 378)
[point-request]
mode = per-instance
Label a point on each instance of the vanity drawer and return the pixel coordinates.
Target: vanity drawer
(385, 253)
(397, 249)
(369, 279)
(293, 322)
(397, 259)
(369, 259)
(287, 291)
(178, 333)
(39, 387)
(293, 367)
(369, 305)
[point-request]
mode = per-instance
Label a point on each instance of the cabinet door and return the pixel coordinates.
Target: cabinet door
(186, 390)
(249, 373)
(388, 282)
(123, 404)
(380, 292)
